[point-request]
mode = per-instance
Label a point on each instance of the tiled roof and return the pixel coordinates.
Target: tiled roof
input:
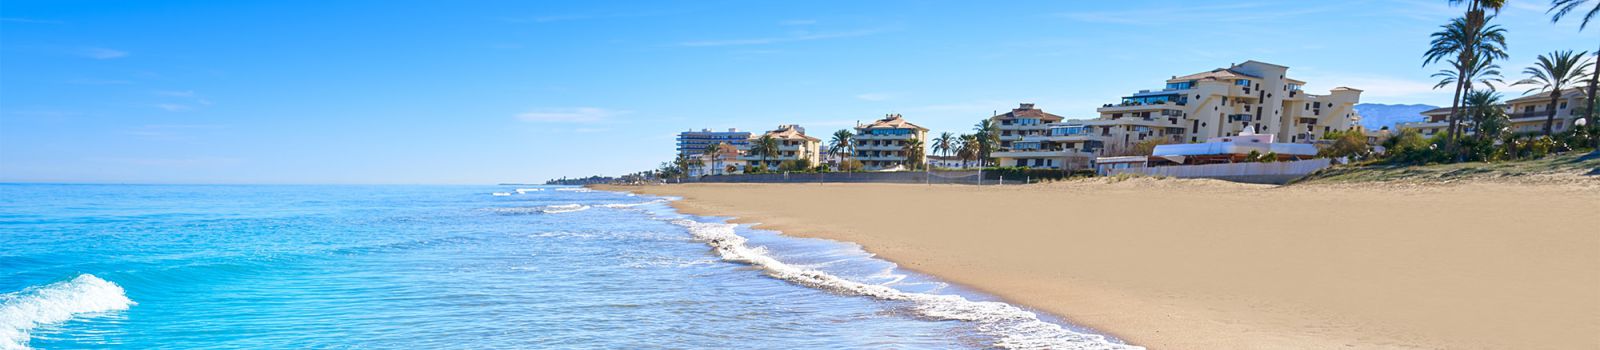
(1219, 74)
(1028, 111)
(790, 133)
(893, 121)
(1545, 96)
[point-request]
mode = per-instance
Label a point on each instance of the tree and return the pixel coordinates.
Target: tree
(713, 150)
(966, 148)
(1561, 9)
(842, 145)
(764, 147)
(1348, 143)
(1147, 147)
(944, 144)
(1488, 115)
(915, 150)
(1472, 42)
(988, 136)
(1554, 72)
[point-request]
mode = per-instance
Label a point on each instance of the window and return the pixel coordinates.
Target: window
(1242, 82)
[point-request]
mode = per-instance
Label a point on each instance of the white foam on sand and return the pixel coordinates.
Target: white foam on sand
(574, 189)
(1013, 327)
(22, 311)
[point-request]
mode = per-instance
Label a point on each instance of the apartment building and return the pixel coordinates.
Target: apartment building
(726, 160)
(793, 144)
(1527, 113)
(1251, 96)
(1030, 137)
(693, 143)
(881, 144)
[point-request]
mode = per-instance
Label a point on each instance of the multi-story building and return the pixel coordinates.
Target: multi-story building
(793, 144)
(693, 143)
(881, 144)
(1254, 96)
(726, 160)
(1032, 138)
(1527, 113)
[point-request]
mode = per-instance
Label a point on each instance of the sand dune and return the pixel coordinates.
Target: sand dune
(1190, 264)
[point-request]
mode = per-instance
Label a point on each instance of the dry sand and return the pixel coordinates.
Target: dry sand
(1187, 264)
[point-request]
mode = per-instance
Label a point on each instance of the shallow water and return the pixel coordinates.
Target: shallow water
(455, 267)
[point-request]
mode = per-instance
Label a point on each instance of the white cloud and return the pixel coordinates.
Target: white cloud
(101, 53)
(173, 107)
(569, 115)
(793, 37)
(874, 96)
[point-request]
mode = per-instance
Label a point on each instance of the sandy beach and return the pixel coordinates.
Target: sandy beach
(1187, 264)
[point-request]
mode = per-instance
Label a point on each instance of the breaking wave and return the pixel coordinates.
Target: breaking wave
(574, 189)
(1014, 327)
(563, 208)
(526, 190)
(501, 194)
(22, 311)
(630, 205)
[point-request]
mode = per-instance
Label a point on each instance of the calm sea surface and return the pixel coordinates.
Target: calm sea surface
(455, 267)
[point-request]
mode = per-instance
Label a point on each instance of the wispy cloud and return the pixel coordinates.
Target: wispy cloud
(101, 53)
(792, 37)
(29, 20)
(874, 96)
(173, 107)
(569, 115)
(1227, 13)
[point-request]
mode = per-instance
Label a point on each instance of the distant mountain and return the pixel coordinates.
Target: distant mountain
(1375, 116)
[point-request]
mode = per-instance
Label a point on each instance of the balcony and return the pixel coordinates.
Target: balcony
(1139, 107)
(1041, 153)
(870, 147)
(884, 137)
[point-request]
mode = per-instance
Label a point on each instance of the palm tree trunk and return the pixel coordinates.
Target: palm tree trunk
(1589, 113)
(1550, 119)
(1455, 112)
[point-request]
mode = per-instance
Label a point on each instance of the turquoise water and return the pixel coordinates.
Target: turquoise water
(454, 267)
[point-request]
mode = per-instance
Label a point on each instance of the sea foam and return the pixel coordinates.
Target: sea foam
(630, 205)
(22, 311)
(563, 208)
(526, 190)
(1013, 327)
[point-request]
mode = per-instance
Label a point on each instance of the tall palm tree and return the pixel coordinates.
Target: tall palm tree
(915, 150)
(1468, 39)
(944, 144)
(988, 137)
(1476, 71)
(1554, 72)
(1488, 114)
(764, 147)
(966, 148)
(713, 150)
(842, 145)
(1561, 9)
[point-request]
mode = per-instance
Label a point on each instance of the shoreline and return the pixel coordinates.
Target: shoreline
(1259, 290)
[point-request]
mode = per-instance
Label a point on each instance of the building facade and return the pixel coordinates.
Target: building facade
(882, 144)
(793, 144)
(1030, 137)
(693, 143)
(1527, 114)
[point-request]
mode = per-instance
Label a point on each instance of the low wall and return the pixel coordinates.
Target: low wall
(907, 177)
(1264, 173)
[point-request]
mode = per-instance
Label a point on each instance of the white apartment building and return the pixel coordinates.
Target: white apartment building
(793, 144)
(1030, 137)
(1527, 113)
(881, 144)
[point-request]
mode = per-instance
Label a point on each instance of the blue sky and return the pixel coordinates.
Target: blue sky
(484, 92)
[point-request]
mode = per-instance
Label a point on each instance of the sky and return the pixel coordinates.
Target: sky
(445, 92)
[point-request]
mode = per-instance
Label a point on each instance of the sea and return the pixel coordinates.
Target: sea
(458, 267)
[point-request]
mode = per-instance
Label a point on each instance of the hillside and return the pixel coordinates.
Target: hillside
(1375, 116)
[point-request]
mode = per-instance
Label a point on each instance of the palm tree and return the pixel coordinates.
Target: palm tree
(842, 145)
(944, 144)
(1469, 39)
(915, 150)
(1554, 72)
(1561, 9)
(713, 150)
(764, 147)
(966, 149)
(1488, 114)
(988, 135)
(1476, 71)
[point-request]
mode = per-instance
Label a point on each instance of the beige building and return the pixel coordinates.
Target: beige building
(1247, 98)
(881, 144)
(725, 161)
(1030, 137)
(793, 144)
(1254, 96)
(1527, 113)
